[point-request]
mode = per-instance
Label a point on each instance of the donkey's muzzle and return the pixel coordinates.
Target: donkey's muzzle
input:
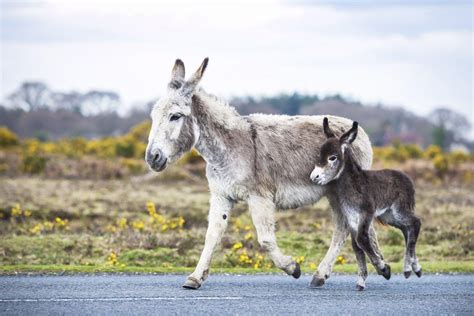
(156, 160)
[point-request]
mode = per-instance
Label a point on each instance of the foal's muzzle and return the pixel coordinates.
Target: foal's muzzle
(156, 160)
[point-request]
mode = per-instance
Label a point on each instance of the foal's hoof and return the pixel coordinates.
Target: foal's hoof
(297, 273)
(192, 284)
(316, 282)
(386, 272)
(418, 274)
(360, 287)
(407, 274)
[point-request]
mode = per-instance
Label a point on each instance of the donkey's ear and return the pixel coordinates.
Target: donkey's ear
(327, 131)
(192, 83)
(177, 75)
(349, 136)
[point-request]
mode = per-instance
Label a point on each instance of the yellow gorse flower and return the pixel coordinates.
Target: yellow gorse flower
(138, 225)
(112, 259)
(36, 229)
(340, 260)
(16, 211)
(299, 259)
(122, 223)
(237, 246)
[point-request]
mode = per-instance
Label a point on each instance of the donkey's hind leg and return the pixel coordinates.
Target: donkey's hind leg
(360, 257)
(263, 217)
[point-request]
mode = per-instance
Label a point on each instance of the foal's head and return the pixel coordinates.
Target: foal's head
(174, 131)
(331, 162)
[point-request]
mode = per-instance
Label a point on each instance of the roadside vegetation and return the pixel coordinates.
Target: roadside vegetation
(79, 205)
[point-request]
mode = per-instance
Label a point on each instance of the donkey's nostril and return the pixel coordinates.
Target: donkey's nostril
(317, 176)
(156, 157)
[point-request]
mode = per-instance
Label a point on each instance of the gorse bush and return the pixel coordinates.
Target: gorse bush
(7, 137)
(121, 156)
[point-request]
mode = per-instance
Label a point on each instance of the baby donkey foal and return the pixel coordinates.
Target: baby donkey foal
(362, 195)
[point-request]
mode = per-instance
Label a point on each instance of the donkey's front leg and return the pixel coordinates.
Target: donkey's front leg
(339, 235)
(263, 217)
(218, 218)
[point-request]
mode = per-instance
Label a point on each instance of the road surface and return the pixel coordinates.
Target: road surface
(234, 294)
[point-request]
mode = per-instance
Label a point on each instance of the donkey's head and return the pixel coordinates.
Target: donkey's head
(331, 162)
(174, 130)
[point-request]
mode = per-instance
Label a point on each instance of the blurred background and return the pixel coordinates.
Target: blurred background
(78, 80)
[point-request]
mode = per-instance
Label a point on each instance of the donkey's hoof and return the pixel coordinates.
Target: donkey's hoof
(360, 287)
(192, 284)
(407, 274)
(418, 274)
(386, 272)
(316, 282)
(297, 273)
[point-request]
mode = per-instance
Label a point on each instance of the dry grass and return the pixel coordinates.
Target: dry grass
(91, 208)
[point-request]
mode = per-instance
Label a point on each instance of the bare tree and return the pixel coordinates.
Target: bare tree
(450, 126)
(30, 96)
(96, 102)
(71, 101)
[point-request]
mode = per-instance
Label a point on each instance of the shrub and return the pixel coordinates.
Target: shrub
(33, 164)
(457, 157)
(413, 151)
(140, 131)
(7, 137)
(125, 147)
(440, 162)
(432, 151)
(191, 157)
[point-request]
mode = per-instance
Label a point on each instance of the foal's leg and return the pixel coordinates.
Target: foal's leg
(263, 217)
(339, 235)
(360, 257)
(364, 241)
(406, 258)
(413, 230)
(218, 218)
(374, 240)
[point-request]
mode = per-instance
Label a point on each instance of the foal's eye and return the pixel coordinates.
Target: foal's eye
(175, 116)
(332, 158)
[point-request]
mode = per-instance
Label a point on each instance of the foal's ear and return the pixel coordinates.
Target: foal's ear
(192, 83)
(177, 75)
(349, 136)
(327, 131)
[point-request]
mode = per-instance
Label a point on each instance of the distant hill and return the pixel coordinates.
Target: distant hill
(36, 111)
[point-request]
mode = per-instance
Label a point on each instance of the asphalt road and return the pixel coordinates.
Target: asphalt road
(225, 294)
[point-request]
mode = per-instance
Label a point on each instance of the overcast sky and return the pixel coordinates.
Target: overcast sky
(416, 54)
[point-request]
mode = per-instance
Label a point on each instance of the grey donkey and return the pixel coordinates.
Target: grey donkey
(362, 196)
(264, 160)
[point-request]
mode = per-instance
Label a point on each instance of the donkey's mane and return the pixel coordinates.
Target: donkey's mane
(220, 111)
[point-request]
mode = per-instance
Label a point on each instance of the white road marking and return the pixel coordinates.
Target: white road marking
(123, 299)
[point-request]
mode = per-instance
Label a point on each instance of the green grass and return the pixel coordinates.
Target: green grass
(446, 242)
(428, 267)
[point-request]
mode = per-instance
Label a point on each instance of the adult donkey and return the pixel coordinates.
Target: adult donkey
(265, 160)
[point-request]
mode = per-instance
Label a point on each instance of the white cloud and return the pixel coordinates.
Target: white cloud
(417, 56)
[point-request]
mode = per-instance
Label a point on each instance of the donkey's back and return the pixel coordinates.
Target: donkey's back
(284, 148)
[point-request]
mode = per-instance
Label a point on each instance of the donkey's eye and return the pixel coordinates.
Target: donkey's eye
(175, 116)
(332, 158)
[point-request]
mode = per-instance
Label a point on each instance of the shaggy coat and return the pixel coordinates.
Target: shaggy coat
(264, 160)
(364, 195)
